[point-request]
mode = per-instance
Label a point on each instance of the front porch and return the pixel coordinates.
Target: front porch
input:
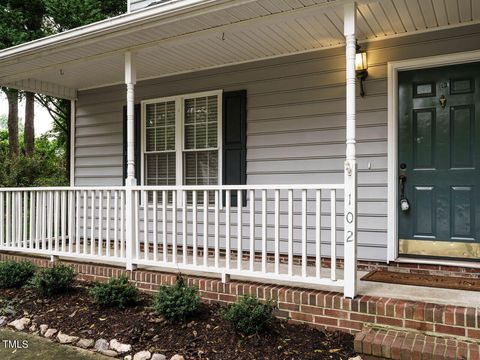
(317, 184)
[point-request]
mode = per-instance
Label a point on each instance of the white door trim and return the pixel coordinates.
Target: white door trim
(394, 68)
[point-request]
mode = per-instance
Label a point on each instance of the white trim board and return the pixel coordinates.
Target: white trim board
(393, 69)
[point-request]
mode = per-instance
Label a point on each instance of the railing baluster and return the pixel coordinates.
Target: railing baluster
(217, 214)
(252, 230)
(136, 198)
(32, 220)
(290, 232)
(92, 223)
(85, 195)
(333, 225)
(56, 225)
(100, 223)
(115, 223)
(122, 224)
(205, 228)
(184, 227)
(145, 225)
(174, 226)
(304, 233)
(164, 226)
(7, 220)
(194, 226)
(25, 219)
(38, 220)
(2, 218)
(277, 231)
(77, 222)
(44, 220)
(107, 225)
(155, 232)
(71, 220)
(318, 231)
(63, 214)
(239, 230)
(264, 231)
(50, 220)
(19, 219)
(227, 229)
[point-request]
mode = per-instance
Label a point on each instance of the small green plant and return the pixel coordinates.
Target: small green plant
(7, 307)
(116, 292)
(176, 302)
(249, 316)
(54, 280)
(15, 274)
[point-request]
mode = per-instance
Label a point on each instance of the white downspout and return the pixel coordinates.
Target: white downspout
(350, 221)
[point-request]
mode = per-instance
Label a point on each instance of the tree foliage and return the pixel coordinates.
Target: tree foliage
(46, 167)
(70, 14)
(22, 21)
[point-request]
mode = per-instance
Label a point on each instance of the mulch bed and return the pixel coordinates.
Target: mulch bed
(205, 336)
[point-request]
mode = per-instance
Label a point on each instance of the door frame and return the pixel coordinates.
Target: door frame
(394, 67)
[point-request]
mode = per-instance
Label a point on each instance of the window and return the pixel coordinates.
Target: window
(182, 140)
(200, 158)
(160, 143)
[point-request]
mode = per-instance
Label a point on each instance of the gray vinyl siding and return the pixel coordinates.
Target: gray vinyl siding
(296, 121)
(140, 4)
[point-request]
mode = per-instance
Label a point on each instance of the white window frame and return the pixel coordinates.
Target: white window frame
(179, 133)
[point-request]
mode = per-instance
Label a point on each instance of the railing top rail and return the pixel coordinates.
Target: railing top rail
(62, 188)
(182, 188)
(245, 187)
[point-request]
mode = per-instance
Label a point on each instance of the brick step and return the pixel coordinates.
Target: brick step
(386, 343)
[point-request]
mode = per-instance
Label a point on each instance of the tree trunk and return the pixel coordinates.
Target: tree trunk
(12, 96)
(29, 132)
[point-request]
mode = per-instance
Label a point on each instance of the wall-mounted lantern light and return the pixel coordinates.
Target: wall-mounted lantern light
(361, 68)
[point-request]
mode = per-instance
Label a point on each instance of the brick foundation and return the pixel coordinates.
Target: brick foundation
(318, 308)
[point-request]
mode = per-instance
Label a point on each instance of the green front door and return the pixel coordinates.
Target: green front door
(439, 162)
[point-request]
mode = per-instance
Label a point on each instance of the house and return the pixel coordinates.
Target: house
(338, 133)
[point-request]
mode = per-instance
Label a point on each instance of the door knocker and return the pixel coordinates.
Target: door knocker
(443, 101)
(404, 204)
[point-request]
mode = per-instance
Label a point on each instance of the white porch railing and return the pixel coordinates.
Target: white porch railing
(279, 232)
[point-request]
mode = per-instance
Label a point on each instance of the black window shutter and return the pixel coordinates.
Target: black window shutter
(235, 141)
(138, 137)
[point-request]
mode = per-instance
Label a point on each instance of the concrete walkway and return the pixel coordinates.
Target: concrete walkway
(31, 347)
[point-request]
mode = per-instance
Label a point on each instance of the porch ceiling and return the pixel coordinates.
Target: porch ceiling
(189, 35)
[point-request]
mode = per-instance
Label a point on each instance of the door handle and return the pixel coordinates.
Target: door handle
(404, 203)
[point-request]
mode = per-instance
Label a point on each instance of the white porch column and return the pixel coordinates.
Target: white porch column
(130, 81)
(350, 221)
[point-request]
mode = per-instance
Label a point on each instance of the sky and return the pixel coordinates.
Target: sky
(43, 121)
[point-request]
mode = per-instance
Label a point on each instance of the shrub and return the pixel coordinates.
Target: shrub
(250, 316)
(176, 302)
(8, 307)
(15, 274)
(55, 280)
(117, 292)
